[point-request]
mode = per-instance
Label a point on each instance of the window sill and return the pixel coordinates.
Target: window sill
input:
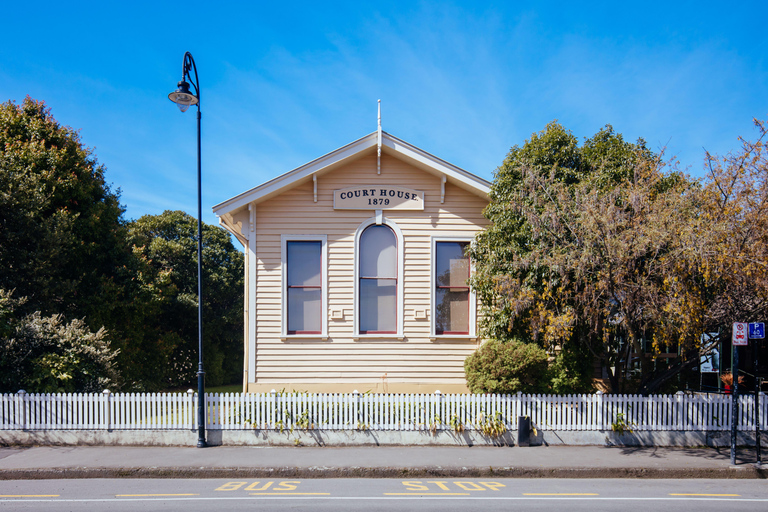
(437, 337)
(292, 337)
(394, 336)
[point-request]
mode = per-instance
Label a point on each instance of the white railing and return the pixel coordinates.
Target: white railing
(364, 411)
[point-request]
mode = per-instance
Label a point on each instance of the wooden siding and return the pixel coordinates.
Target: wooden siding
(342, 362)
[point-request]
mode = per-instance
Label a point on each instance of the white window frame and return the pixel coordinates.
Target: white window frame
(433, 286)
(323, 239)
(380, 220)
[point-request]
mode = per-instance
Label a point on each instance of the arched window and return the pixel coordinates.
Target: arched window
(377, 275)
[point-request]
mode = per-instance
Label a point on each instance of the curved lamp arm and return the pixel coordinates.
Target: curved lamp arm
(182, 96)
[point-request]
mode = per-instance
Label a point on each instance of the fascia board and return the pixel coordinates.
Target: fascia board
(290, 178)
(440, 166)
(425, 160)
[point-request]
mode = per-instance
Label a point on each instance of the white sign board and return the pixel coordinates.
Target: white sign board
(739, 337)
(378, 197)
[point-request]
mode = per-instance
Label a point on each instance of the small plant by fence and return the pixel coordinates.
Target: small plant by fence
(487, 414)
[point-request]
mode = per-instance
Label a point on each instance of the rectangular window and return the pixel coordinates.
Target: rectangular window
(452, 314)
(304, 279)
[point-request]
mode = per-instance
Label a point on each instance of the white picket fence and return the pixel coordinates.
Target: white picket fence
(363, 411)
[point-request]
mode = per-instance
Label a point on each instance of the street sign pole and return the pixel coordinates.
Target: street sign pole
(734, 402)
(757, 409)
(757, 332)
(739, 338)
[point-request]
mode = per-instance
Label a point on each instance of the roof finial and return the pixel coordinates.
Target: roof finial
(378, 162)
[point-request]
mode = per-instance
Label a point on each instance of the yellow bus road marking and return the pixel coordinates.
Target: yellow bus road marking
(426, 494)
(445, 485)
(29, 495)
(290, 494)
(691, 494)
(283, 485)
(560, 494)
(150, 495)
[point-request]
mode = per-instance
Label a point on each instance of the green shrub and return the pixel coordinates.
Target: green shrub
(45, 354)
(507, 367)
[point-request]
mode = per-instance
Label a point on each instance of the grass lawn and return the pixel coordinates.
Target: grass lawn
(229, 388)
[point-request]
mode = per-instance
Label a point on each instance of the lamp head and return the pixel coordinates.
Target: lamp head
(182, 97)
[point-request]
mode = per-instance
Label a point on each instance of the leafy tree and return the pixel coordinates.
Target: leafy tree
(62, 238)
(522, 294)
(619, 253)
(733, 253)
(43, 354)
(166, 248)
(66, 248)
(507, 367)
(722, 275)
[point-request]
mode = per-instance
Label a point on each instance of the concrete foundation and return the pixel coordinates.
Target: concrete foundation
(716, 439)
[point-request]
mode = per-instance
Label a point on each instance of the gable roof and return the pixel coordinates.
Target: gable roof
(389, 145)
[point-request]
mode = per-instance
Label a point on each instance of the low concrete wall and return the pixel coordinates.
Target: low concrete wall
(365, 438)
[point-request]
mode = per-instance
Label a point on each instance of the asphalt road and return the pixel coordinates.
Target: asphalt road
(422, 494)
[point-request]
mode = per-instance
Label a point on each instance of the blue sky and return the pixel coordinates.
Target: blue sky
(284, 83)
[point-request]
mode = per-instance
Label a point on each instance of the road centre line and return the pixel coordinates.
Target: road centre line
(427, 494)
(560, 494)
(701, 494)
(29, 495)
(150, 495)
(290, 494)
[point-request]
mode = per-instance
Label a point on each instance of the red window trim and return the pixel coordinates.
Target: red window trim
(395, 279)
(304, 287)
(467, 288)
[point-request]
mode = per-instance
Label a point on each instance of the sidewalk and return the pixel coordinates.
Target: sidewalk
(374, 462)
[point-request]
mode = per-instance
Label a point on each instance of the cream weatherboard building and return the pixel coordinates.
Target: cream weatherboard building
(356, 277)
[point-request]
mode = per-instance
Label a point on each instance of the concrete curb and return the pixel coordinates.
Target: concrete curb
(747, 471)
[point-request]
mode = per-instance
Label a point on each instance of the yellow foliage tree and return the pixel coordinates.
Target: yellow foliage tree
(626, 254)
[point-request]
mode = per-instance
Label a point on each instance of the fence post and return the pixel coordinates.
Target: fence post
(192, 407)
(356, 394)
(273, 404)
(106, 416)
(21, 396)
(599, 395)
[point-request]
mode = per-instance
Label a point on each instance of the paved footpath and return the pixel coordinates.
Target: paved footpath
(374, 462)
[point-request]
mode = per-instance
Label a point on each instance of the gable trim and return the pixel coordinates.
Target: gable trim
(390, 143)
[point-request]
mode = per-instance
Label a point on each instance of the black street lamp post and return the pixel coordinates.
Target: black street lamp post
(184, 98)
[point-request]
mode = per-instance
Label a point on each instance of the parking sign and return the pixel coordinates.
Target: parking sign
(756, 330)
(739, 337)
